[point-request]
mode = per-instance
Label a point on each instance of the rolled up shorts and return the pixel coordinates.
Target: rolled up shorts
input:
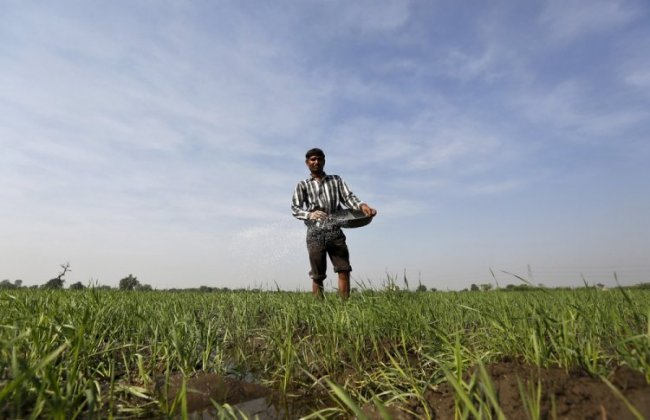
(323, 242)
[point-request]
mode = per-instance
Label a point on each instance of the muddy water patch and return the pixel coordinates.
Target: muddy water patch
(204, 389)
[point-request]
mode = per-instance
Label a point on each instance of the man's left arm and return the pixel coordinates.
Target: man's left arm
(352, 201)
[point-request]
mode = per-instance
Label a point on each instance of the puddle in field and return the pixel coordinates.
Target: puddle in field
(250, 399)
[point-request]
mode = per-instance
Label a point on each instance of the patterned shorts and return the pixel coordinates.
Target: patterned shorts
(322, 242)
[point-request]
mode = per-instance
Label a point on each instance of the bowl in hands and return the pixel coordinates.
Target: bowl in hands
(349, 218)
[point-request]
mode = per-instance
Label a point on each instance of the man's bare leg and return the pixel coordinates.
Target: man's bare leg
(344, 284)
(317, 288)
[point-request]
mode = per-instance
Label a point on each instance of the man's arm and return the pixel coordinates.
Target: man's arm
(297, 203)
(347, 197)
(352, 201)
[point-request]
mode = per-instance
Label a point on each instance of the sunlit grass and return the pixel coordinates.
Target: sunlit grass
(99, 353)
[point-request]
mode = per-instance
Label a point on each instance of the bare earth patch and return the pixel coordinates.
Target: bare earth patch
(572, 395)
(565, 395)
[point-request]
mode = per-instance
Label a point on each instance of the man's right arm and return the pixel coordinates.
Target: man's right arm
(298, 201)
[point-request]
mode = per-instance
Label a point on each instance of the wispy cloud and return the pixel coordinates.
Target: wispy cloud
(568, 20)
(448, 146)
(639, 78)
(366, 17)
(634, 70)
(572, 105)
(180, 129)
(486, 65)
(499, 187)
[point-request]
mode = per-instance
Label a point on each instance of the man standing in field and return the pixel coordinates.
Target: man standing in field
(313, 200)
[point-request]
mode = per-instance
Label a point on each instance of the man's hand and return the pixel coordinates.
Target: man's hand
(317, 215)
(368, 211)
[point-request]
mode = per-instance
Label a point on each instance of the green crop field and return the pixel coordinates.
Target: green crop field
(108, 353)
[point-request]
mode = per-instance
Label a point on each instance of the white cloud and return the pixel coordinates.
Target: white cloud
(491, 64)
(635, 70)
(639, 78)
(155, 96)
(570, 19)
(365, 16)
(493, 188)
(172, 136)
(436, 135)
(571, 105)
(455, 144)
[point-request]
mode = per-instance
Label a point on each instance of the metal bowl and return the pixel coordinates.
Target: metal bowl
(350, 218)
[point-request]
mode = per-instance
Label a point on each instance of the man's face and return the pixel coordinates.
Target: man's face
(315, 163)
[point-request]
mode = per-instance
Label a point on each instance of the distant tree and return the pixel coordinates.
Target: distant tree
(486, 286)
(6, 284)
(77, 286)
(474, 288)
(518, 288)
(57, 282)
(129, 282)
(421, 288)
(18, 283)
(144, 287)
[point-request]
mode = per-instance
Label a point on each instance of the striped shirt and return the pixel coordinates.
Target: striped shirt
(328, 195)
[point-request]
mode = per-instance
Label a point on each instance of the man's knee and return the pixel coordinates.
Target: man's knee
(318, 278)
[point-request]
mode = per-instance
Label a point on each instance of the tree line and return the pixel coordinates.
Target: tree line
(129, 282)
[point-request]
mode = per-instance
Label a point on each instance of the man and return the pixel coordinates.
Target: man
(313, 200)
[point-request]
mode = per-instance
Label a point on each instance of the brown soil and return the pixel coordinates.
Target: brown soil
(572, 395)
(565, 395)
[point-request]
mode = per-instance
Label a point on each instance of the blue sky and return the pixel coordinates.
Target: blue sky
(164, 139)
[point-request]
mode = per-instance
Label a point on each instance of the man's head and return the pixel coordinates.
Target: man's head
(315, 160)
(314, 152)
